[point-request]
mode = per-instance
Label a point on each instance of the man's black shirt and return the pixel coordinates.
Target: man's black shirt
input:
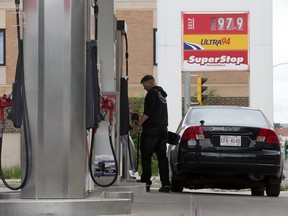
(155, 107)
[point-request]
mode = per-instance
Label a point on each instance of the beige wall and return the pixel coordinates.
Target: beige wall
(2, 75)
(11, 149)
(11, 45)
(2, 19)
(226, 84)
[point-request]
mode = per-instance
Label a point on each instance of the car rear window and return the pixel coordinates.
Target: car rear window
(227, 116)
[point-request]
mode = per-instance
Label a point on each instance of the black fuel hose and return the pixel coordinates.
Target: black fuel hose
(114, 156)
(27, 155)
(128, 135)
(23, 183)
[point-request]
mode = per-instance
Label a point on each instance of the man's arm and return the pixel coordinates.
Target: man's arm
(142, 119)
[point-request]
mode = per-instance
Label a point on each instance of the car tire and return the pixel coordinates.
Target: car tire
(176, 186)
(177, 183)
(273, 190)
(257, 191)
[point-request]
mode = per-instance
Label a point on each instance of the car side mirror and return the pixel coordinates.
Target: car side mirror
(173, 138)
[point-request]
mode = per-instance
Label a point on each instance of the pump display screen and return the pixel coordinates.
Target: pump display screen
(215, 41)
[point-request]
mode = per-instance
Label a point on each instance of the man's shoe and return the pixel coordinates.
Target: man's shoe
(147, 185)
(147, 188)
(165, 189)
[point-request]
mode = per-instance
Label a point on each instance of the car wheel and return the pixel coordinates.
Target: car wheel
(176, 186)
(257, 191)
(177, 183)
(273, 190)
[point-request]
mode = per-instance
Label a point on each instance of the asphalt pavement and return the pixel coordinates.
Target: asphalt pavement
(155, 203)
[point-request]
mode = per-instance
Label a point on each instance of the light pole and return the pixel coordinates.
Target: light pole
(279, 99)
(279, 64)
(187, 90)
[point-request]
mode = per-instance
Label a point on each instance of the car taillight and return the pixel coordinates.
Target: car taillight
(267, 135)
(193, 133)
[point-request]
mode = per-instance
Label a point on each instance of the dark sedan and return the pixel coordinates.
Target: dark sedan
(227, 148)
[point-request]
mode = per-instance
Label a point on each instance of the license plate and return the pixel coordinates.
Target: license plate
(230, 140)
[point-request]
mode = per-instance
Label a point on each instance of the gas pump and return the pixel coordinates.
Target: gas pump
(123, 150)
(130, 159)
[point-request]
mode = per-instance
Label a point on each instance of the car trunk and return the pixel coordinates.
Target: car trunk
(227, 144)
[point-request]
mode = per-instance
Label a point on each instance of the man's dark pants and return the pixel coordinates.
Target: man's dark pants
(154, 139)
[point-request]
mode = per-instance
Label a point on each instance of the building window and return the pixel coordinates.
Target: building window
(155, 47)
(2, 47)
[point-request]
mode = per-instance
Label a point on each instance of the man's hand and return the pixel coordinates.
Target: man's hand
(137, 128)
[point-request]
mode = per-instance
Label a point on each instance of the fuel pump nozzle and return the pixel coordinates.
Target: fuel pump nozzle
(108, 104)
(134, 117)
(4, 102)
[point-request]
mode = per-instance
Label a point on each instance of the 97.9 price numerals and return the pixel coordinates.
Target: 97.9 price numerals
(227, 23)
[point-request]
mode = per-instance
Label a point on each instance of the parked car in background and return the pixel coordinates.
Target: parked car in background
(228, 148)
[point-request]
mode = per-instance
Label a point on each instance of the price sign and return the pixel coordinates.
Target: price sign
(215, 41)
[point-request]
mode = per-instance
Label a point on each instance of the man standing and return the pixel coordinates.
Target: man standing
(154, 122)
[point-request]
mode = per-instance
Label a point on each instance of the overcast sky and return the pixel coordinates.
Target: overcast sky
(280, 55)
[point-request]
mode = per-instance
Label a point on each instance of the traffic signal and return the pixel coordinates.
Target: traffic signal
(286, 149)
(201, 89)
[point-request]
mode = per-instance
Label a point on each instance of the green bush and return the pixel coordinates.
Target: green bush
(284, 186)
(13, 172)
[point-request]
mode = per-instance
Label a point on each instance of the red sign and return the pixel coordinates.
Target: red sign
(215, 42)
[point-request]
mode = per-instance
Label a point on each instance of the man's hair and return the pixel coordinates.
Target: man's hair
(147, 78)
